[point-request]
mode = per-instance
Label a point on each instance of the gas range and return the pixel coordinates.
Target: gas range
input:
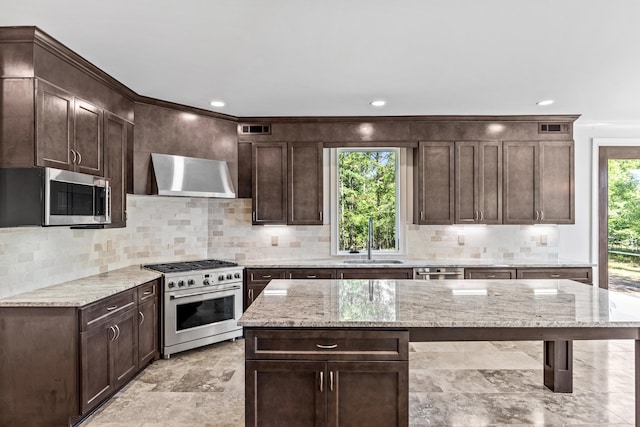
(202, 302)
(197, 274)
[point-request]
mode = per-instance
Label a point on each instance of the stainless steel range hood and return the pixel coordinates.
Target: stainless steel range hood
(191, 177)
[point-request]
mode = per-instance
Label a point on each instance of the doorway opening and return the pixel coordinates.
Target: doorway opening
(619, 219)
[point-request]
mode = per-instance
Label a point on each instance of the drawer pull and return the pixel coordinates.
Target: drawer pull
(330, 380)
(321, 380)
(311, 277)
(327, 347)
(147, 293)
(113, 307)
(491, 276)
(555, 275)
(266, 277)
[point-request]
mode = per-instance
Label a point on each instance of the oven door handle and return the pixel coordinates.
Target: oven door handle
(233, 288)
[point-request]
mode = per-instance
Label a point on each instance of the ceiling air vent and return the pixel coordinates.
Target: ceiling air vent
(554, 127)
(255, 129)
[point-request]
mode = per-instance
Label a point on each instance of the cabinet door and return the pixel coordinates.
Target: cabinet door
(435, 186)
(520, 182)
(124, 349)
(368, 393)
(54, 127)
(115, 146)
(269, 186)
(467, 209)
(375, 273)
(281, 393)
(147, 332)
(95, 368)
(556, 182)
(490, 182)
(305, 184)
(88, 138)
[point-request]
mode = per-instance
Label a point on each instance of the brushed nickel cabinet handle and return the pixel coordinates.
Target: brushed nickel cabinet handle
(266, 277)
(113, 307)
(320, 215)
(321, 381)
(147, 293)
(555, 275)
(491, 276)
(253, 216)
(327, 347)
(141, 317)
(475, 215)
(74, 156)
(114, 333)
(537, 215)
(481, 216)
(541, 215)
(421, 215)
(118, 330)
(312, 277)
(330, 380)
(79, 157)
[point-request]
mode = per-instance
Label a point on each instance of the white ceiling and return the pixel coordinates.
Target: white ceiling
(332, 57)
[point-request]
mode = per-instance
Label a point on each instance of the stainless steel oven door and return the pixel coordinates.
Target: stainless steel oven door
(191, 314)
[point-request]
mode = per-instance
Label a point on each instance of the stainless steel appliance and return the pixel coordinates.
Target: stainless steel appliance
(438, 273)
(47, 196)
(202, 302)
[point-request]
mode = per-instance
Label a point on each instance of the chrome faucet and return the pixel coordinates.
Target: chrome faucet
(370, 239)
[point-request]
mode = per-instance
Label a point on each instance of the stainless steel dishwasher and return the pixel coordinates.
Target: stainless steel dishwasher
(438, 273)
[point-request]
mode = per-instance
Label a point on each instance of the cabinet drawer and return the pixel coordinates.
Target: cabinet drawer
(315, 344)
(264, 275)
(148, 291)
(311, 273)
(578, 274)
(486, 273)
(106, 308)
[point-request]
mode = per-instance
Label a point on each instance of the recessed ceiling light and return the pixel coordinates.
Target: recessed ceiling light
(545, 102)
(378, 103)
(216, 103)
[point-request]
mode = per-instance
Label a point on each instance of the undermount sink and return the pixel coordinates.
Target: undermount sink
(372, 261)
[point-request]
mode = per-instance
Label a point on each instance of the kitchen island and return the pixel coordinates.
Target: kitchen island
(326, 352)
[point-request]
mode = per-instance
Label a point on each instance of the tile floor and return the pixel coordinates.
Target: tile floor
(450, 384)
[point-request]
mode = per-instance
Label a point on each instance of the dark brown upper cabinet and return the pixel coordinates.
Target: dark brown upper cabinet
(538, 182)
(305, 184)
(287, 183)
(269, 183)
(478, 182)
(68, 131)
(115, 166)
(434, 186)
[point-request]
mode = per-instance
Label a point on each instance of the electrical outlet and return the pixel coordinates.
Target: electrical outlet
(543, 239)
(274, 240)
(461, 239)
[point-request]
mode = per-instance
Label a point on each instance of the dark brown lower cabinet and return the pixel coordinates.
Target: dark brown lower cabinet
(60, 363)
(313, 385)
(109, 353)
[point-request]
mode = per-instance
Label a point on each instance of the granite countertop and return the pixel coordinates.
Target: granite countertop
(77, 293)
(441, 303)
(407, 263)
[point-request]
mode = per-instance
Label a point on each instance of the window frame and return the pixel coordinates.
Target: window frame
(400, 184)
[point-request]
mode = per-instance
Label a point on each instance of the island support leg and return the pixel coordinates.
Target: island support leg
(637, 356)
(558, 366)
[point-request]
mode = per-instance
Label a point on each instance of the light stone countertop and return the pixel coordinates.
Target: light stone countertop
(80, 292)
(440, 303)
(339, 262)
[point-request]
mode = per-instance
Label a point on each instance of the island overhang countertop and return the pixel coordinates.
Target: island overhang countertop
(440, 304)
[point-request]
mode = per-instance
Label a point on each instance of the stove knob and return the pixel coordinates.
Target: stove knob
(206, 282)
(236, 275)
(181, 283)
(221, 277)
(171, 285)
(229, 276)
(191, 282)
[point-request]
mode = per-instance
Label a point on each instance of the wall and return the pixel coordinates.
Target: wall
(175, 228)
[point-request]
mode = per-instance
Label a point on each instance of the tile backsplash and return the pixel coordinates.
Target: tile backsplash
(176, 228)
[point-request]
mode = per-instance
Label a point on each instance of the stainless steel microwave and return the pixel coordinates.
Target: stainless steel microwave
(48, 197)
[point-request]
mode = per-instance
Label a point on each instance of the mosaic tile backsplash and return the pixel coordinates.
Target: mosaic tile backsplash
(176, 228)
